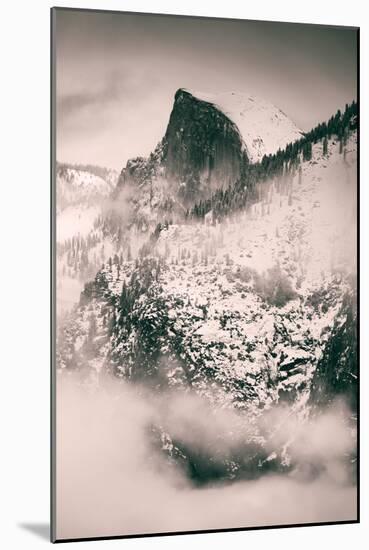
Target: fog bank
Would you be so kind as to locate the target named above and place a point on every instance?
(111, 481)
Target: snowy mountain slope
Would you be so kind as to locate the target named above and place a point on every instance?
(76, 186)
(263, 127)
(80, 197)
(242, 312)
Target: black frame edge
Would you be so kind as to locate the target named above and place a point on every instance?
(210, 531)
(358, 273)
(52, 277)
(204, 17)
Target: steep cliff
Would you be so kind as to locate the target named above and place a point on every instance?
(203, 147)
(208, 143)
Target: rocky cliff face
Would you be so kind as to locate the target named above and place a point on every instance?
(337, 370)
(203, 147)
(208, 143)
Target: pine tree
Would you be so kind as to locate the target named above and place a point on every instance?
(123, 301)
(307, 151)
(325, 146)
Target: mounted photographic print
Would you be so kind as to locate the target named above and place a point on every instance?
(204, 273)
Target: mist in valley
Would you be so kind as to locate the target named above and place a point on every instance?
(112, 480)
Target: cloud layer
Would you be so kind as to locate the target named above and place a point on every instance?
(111, 481)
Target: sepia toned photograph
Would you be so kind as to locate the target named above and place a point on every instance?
(204, 203)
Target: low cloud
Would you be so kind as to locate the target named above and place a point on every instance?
(115, 86)
(112, 481)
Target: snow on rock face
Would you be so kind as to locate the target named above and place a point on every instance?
(263, 127)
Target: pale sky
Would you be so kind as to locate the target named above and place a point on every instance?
(117, 75)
